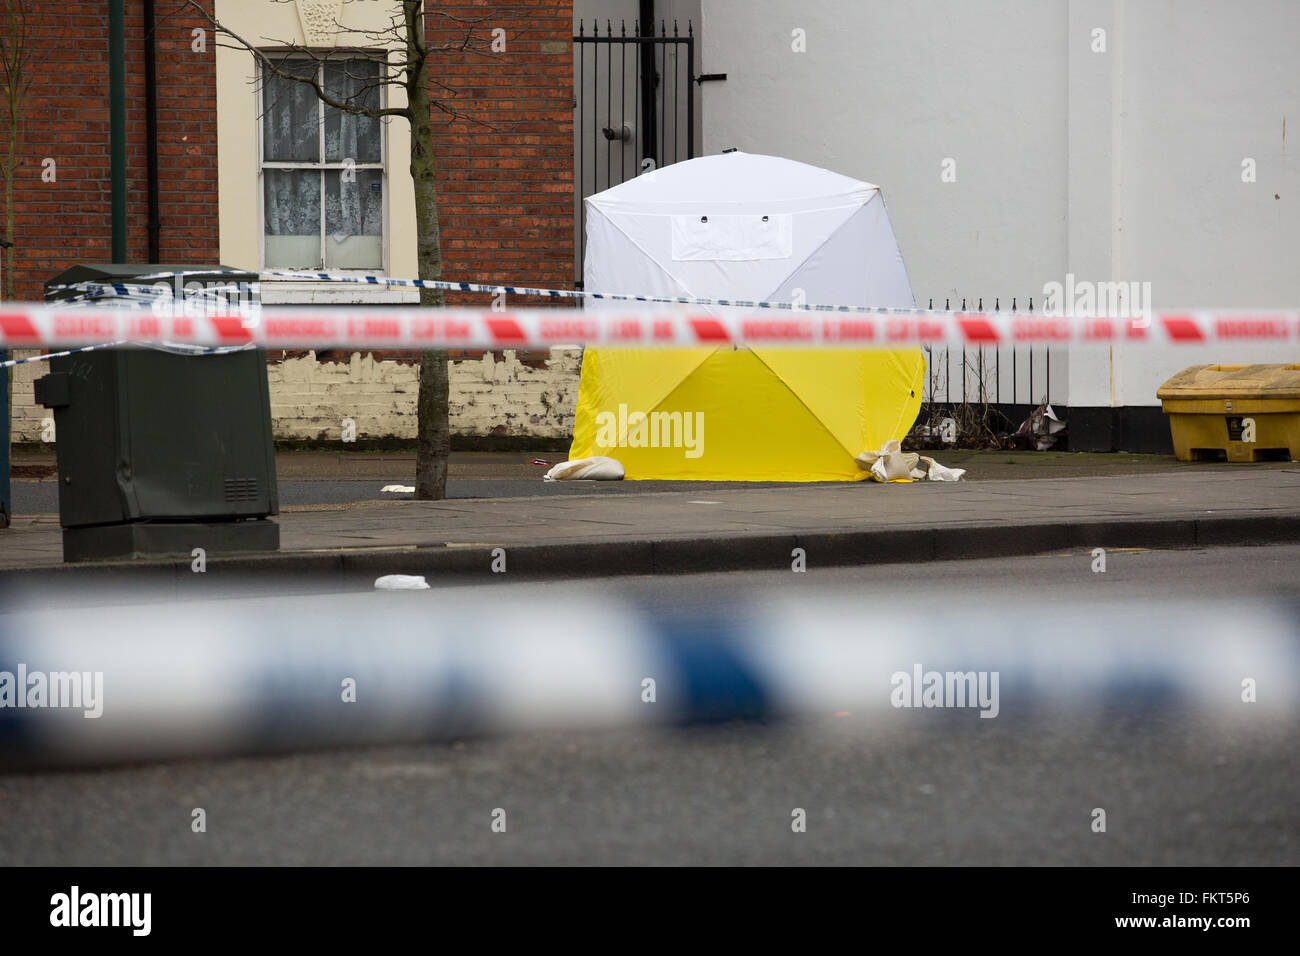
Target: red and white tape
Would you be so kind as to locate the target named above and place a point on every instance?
(371, 327)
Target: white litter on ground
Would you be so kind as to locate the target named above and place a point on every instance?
(592, 469)
(399, 489)
(937, 472)
(401, 582)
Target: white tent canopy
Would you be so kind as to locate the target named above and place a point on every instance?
(744, 226)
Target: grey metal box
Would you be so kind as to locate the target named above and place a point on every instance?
(146, 436)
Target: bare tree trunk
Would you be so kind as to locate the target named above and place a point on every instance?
(434, 443)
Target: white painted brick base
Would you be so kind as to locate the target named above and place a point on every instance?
(494, 395)
(27, 415)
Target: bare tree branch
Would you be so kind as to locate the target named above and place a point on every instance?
(268, 62)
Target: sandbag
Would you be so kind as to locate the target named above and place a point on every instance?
(891, 463)
(591, 469)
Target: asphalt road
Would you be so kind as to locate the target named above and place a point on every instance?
(1177, 790)
(1179, 786)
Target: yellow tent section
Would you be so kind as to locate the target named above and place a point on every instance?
(729, 414)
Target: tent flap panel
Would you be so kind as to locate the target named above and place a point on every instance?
(858, 264)
(722, 274)
(733, 238)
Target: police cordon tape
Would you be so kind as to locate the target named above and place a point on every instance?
(205, 319)
(385, 327)
(113, 293)
(10, 363)
(174, 347)
(187, 677)
(158, 282)
(120, 296)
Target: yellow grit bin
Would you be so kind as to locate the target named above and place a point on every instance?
(1238, 412)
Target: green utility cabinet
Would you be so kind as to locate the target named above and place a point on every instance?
(160, 453)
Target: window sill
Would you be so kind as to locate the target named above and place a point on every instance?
(295, 292)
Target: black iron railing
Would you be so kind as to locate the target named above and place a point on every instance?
(987, 388)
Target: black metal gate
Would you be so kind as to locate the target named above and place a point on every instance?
(634, 109)
(986, 389)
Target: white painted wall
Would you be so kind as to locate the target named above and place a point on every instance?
(496, 394)
(492, 395)
(1123, 165)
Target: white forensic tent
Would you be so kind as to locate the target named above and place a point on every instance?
(748, 227)
(745, 226)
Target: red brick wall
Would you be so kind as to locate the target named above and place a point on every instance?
(67, 119)
(506, 168)
(506, 187)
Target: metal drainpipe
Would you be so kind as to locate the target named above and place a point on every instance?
(649, 146)
(151, 129)
(117, 125)
(6, 509)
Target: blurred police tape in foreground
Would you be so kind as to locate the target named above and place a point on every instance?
(153, 680)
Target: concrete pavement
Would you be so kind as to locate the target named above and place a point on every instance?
(604, 529)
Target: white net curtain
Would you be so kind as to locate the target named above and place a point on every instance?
(323, 179)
